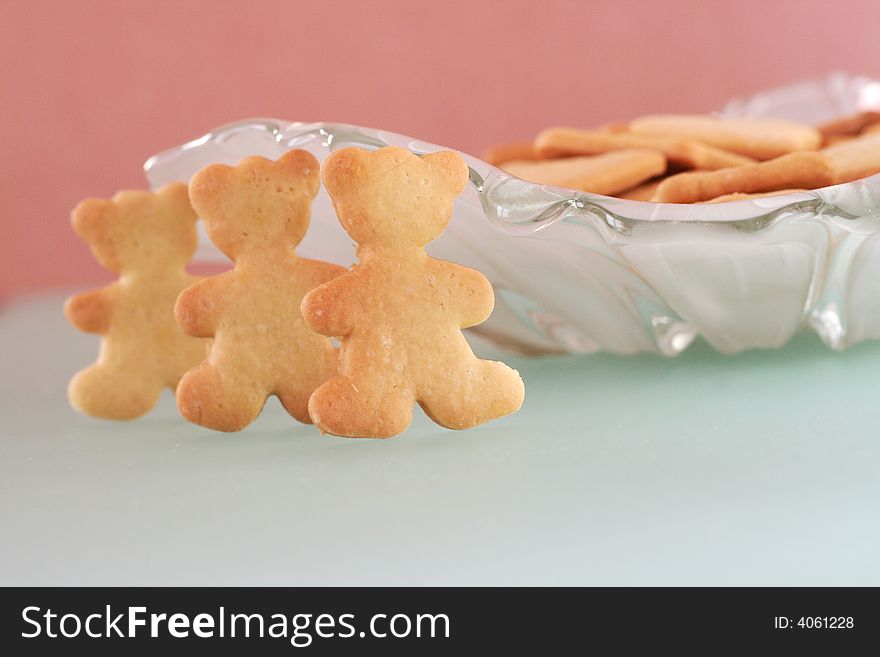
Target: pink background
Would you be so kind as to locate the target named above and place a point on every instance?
(92, 88)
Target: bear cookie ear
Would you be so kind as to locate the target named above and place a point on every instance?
(450, 169)
(302, 167)
(207, 186)
(175, 197)
(340, 168)
(89, 216)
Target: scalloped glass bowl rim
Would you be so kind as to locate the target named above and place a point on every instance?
(648, 212)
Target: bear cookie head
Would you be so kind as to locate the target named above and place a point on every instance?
(138, 231)
(391, 196)
(257, 204)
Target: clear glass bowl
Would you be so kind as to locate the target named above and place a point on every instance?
(576, 272)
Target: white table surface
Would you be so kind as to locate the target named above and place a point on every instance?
(762, 468)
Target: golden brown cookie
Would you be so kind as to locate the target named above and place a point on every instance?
(615, 126)
(808, 169)
(644, 192)
(739, 196)
(856, 158)
(256, 213)
(565, 142)
(398, 312)
(147, 238)
(849, 125)
(607, 174)
(501, 153)
(762, 139)
(831, 140)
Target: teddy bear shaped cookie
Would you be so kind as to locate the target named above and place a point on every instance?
(399, 313)
(147, 238)
(256, 213)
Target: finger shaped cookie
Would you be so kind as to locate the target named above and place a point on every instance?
(565, 142)
(256, 213)
(832, 140)
(762, 139)
(398, 312)
(607, 174)
(856, 158)
(643, 192)
(849, 125)
(147, 238)
(808, 169)
(739, 196)
(501, 153)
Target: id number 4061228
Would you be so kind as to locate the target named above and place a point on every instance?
(813, 623)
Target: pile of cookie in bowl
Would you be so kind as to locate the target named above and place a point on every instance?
(687, 158)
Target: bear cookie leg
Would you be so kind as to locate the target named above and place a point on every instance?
(309, 373)
(482, 391)
(342, 408)
(115, 394)
(295, 400)
(225, 403)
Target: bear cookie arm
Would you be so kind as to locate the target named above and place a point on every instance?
(329, 309)
(90, 311)
(147, 238)
(199, 307)
(399, 313)
(476, 299)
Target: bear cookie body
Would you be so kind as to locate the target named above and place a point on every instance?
(256, 213)
(399, 312)
(148, 239)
